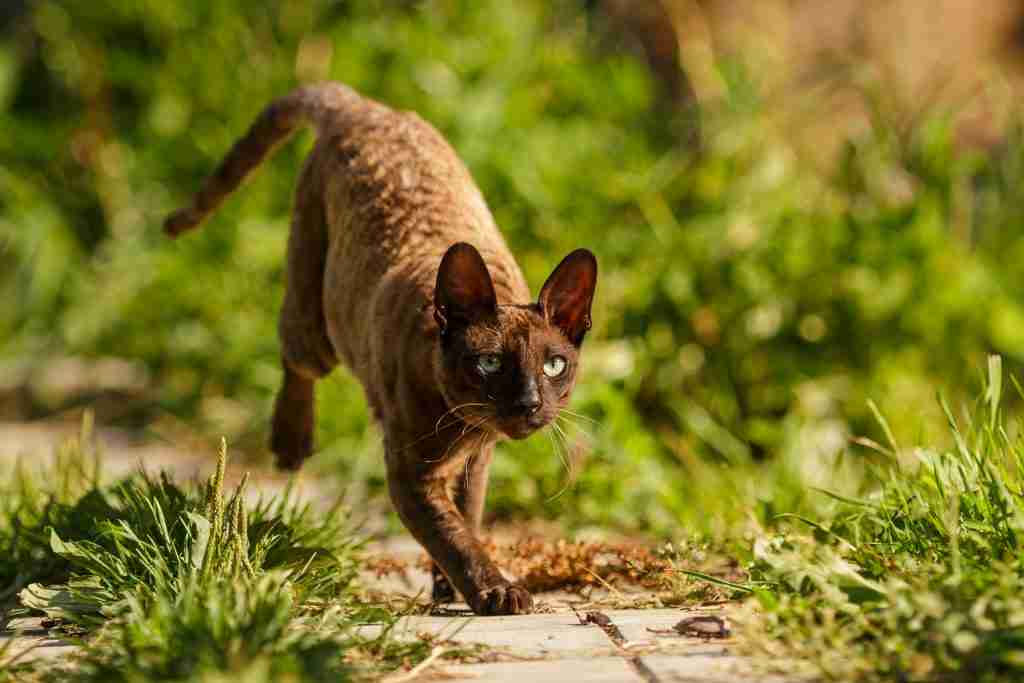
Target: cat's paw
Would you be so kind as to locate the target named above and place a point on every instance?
(290, 444)
(442, 588)
(507, 598)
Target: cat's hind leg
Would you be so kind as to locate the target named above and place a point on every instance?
(306, 351)
(291, 428)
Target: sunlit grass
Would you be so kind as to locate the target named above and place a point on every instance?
(919, 578)
(158, 581)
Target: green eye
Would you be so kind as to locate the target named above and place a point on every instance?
(554, 366)
(488, 363)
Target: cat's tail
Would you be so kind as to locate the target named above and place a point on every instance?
(309, 104)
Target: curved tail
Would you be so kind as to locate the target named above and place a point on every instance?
(274, 125)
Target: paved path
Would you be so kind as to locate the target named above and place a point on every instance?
(562, 643)
(629, 645)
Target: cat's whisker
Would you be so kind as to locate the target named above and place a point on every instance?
(438, 426)
(565, 447)
(466, 468)
(591, 439)
(473, 453)
(569, 460)
(551, 439)
(563, 451)
(469, 429)
(569, 479)
(579, 415)
(454, 410)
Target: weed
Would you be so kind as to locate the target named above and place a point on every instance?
(919, 579)
(161, 582)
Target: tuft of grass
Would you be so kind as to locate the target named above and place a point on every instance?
(150, 533)
(257, 629)
(162, 582)
(919, 578)
(32, 502)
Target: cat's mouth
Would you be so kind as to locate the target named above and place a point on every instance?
(520, 427)
(515, 426)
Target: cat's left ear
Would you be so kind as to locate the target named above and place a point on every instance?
(566, 296)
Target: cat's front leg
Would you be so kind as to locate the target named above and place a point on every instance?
(470, 492)
(423, 504)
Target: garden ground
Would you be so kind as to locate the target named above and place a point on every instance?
(600, 633)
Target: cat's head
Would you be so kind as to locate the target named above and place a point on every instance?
(510, 367)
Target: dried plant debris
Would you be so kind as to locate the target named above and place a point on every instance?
(542, 565)
(386, 565)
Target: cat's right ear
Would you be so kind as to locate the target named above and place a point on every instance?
(464, 291)
(568, 292)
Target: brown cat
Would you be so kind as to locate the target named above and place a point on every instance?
(396, 266)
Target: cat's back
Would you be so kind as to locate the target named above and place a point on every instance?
(392, 182)
(396, 196)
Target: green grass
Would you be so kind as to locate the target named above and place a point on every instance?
(186, 583)
(918, 578)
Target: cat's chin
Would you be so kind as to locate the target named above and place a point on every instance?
(519, 430)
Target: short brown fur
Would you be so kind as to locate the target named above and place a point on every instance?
(381, 275)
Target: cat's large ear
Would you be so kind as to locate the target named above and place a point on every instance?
(464, 291)
(566, 296)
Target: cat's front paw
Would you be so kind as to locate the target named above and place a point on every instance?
(507, 598)
(442, 588)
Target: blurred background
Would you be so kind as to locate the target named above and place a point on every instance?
(807, 213)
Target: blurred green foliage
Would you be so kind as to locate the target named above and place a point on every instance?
(750, 302)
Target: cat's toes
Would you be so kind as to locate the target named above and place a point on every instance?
(505, 599)
(442, 590)
(290, 448)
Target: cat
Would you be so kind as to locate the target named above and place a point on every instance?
(396, 267)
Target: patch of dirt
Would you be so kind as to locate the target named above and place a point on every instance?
(545, 565)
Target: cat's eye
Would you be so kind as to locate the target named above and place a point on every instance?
(488, 363)
(554, 366)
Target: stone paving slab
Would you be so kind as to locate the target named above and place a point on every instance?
(562, 650)
(654, 627)
(635, 624)
(701, 667)
(570, 651)
(598, 670)
(29, 640)
(533, 635)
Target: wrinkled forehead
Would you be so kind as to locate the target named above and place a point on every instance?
(520, 323)
(522, 329)
(516, 328)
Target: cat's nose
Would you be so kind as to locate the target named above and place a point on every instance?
(528, 402)
(528, 408)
